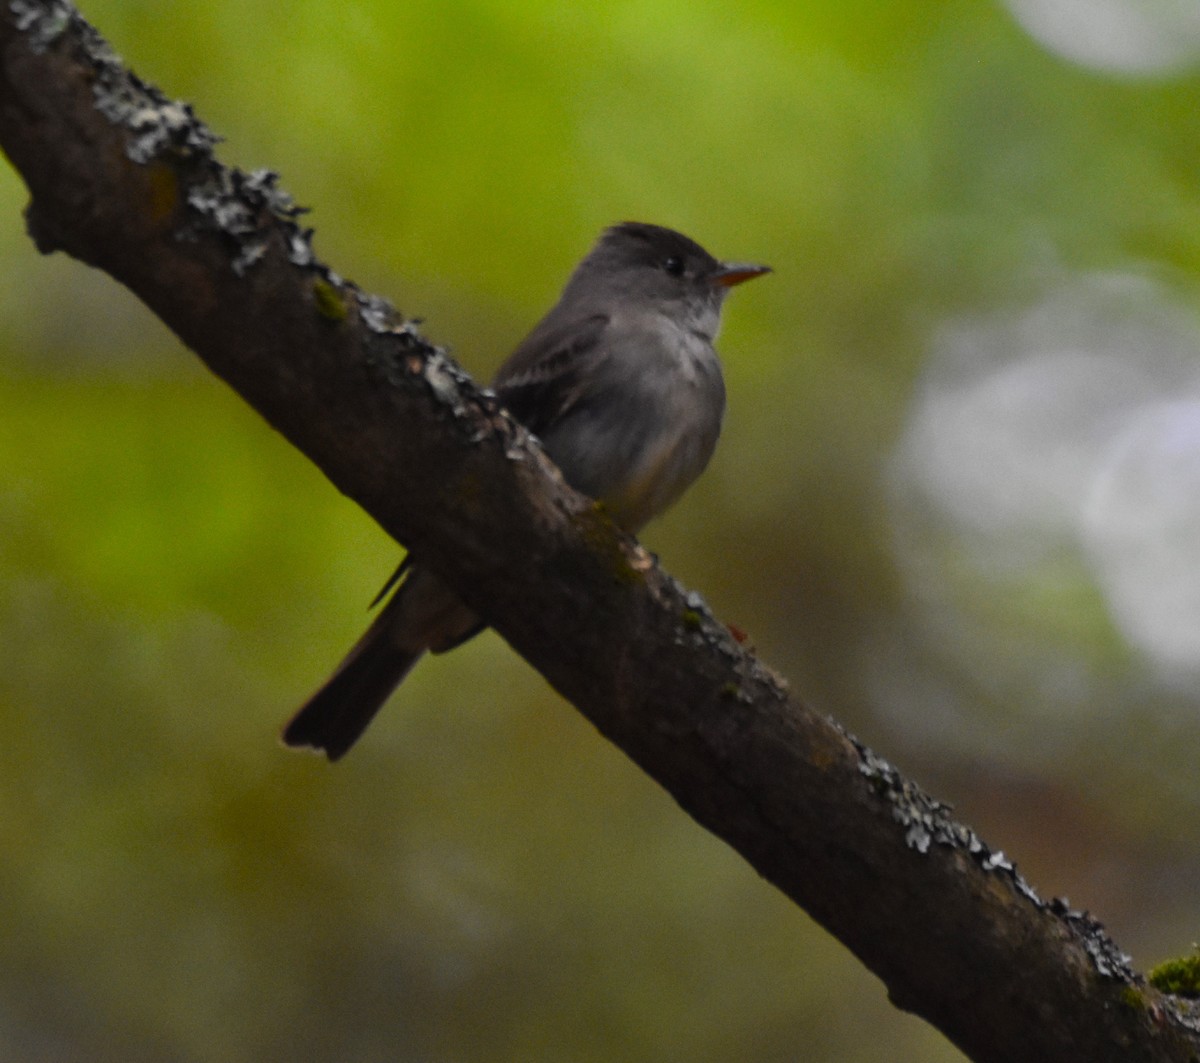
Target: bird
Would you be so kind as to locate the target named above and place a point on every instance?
(622, 385)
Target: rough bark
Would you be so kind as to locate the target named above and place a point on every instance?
(125, 180)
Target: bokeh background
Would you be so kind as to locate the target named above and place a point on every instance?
(957, 502)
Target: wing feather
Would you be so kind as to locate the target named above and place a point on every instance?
(548, 373)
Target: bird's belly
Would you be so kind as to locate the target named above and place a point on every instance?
(637, 460)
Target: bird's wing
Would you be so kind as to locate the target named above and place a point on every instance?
(539, 384)
(548, 373)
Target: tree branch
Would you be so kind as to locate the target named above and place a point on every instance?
(125, 180)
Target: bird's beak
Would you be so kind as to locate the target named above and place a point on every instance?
(732, 273)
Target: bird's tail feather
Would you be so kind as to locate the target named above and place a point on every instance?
(337, 714)
(422, 614)
(335, 717)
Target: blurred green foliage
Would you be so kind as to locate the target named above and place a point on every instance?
(484, 878)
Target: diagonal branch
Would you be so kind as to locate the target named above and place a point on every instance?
(125, 180)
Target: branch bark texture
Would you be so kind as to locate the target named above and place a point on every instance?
(126, 180)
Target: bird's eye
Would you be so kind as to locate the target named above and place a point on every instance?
(673, 265)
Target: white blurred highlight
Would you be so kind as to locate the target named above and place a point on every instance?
(1138, 37)
(1045, 450)
(1141, 527)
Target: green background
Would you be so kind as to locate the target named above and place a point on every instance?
(485, 878)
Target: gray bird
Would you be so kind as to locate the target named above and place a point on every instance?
(622, 385)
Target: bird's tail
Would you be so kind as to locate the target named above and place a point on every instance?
(422, 614)
(336, 715)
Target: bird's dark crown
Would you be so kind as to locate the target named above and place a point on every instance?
(642, 242)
